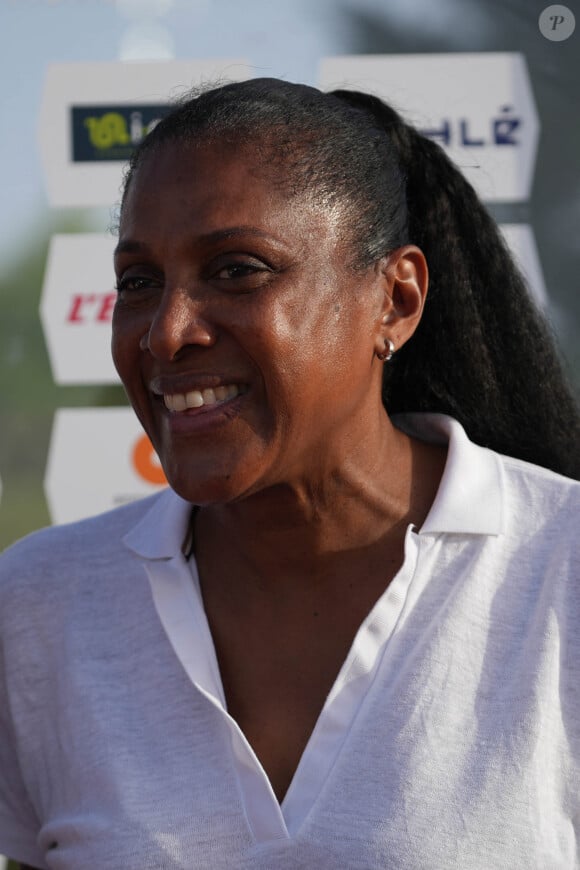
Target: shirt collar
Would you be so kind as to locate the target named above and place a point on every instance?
(161, 533)
(469, 499)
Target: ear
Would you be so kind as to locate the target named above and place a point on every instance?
(404, 278)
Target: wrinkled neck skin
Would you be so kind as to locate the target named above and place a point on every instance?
(355, 508)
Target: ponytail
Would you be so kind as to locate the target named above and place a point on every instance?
(482, 352)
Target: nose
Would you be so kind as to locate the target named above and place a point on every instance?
(180, 321)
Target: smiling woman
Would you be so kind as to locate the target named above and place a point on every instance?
(214, 264)
(351, 620)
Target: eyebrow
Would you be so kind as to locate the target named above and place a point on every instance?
(131, 246)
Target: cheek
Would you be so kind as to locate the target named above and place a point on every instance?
(125, 349)
(118, 351)
(325, 335)
(303, 322)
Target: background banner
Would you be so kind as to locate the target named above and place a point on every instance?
(76, 308)
(93, 115)
(479, 107)
(99, 458)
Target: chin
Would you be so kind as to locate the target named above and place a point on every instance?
(199, 487)
(212, 471)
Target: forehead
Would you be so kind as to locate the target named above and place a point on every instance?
(204, 187)
(192, 169)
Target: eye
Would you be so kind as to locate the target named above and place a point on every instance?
(237, 270)
(239, 273)
(130, 284)
(127, 284)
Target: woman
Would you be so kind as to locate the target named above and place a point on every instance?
(340, 639)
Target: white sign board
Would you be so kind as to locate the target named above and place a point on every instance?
(77, 307)
(479, 107)
(99, 458)
(521, 241)
(93, 114)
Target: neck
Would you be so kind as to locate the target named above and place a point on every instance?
(302, 530)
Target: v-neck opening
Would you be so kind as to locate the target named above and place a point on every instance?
(348, 694)
(179, 604)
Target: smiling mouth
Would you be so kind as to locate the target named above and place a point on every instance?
(176, 402)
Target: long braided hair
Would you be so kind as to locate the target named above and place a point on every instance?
(482, 352)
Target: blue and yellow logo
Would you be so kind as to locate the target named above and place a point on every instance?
(111, 132)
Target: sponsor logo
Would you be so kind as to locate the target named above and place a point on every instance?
(91, 308)
(146, 462)
(98, 458)
(77, 306)
(463, 132)
(478, 106)
(111, 132)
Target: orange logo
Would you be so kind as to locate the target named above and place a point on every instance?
(146, 462)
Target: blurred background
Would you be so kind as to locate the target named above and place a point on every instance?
(285, 38)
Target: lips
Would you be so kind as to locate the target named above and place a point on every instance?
(176, 402)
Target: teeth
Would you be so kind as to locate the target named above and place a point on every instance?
(194, 399)
(197, 398)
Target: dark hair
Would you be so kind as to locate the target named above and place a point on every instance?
(482, 352)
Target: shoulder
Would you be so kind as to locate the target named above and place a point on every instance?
(75, 579)
(534, 564)
(543, 573)
(69, 551)
(540, 500)
(487, 492)
(523, 508)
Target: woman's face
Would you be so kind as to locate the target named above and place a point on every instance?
(245, 342)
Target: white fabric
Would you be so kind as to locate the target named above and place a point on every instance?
(451, 738)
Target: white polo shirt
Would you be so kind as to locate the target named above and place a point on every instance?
(450, 739)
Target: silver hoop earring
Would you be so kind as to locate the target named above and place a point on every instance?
(386, 355)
